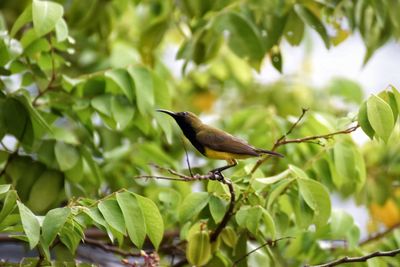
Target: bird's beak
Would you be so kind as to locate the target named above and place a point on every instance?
(172, 114)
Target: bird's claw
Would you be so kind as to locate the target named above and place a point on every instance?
(216, 175)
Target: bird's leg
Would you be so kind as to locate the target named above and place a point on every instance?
(217, 171)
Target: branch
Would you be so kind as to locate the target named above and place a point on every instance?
(215, 176)
(270, 243)
(309, 139)
(294, 125)
(228, 213)
(324, 136)
(112, 249)
(52, 78)
(379, 235)
(187, 157)
(347, 259)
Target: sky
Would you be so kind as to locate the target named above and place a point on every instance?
(344, 60)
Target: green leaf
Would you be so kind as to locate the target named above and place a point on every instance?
(217, 208)
(53, 223)
(122, 110)
(317, 198)
(396, 94)
(4, 58)
(61, 30)
(45, 191)
(133, 216)
(276, 59)
(19, 126)
(95, 214)
(37, 46)
(97, 174)
(297, 172)
(35, 116)
(45, 15)
(9, 204)
(340, 224)
(393, 104)
(243, 39)
(269, 222)
(162, 97)
(249, 217)
(294, 29)
(112, 214)
(192, 205)
(347, 89)
(30, 224)
(253, 217)
(122, 78)
(144, 88)
(364, 122)
(153, 220)
(102, 104)
(75, 174)
(71, 235)
(277, 191)
(66, 155)
(380, 116)
(360, 169)
(4, 188)
(23, 19)
(273, 179)
(313, 21)
(344, 163)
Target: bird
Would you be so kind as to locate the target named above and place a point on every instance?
(214, 143)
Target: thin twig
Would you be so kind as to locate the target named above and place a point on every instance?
(280, 139)
(364, 258)
(187, 157)
(323, 136)
(269, 243)
(379, 235)
(52, 78)
(294, 125)
(216, 176)
(309, 139)
(112, 249)
(5, 147)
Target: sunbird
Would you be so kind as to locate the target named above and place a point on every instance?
(215, 143)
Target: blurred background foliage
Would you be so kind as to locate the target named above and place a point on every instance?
(80, 82)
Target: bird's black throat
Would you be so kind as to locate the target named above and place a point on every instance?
(190, 133)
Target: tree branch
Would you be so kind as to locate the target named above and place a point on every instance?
(112, 249)
(309, 139)
(323, 136)
(52, 78)
(270, 243)
(228, 213)
(364, 258)
(379, 235)
(215, 176)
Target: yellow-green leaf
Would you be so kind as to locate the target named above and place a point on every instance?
(380, 116)
(45, 15)
(30, 224)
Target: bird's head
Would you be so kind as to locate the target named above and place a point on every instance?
(184, 118)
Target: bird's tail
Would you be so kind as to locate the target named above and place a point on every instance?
(272, 153)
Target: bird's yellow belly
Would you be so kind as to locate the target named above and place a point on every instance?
(213, 154)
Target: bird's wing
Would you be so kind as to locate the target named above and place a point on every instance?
(221, 141)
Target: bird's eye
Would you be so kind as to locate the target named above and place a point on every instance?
(185, 113)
